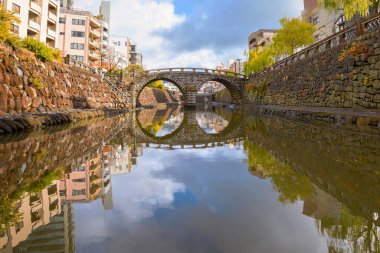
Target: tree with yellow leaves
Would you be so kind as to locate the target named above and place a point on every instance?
(7, 18)
(352, 7)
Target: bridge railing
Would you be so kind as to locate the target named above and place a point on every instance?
(196, 70)
(367, 25)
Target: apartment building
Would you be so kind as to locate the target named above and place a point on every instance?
(39, 19)
(326, 22)
(80, 35)
(135, 57)
(260, 38)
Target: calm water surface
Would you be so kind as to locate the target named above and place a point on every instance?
(191, 181)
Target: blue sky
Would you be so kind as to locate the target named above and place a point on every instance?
(192, 33)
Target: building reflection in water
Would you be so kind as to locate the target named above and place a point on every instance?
(44, 220)
(41, 215)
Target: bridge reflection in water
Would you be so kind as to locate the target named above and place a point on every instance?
(179, 128)
(57, 183)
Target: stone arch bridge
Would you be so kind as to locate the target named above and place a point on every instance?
(190, 80)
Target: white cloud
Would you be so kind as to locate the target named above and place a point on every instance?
(142, 20)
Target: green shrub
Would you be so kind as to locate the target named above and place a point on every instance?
(42, 51)
(40, 155)
(57, 55)
(37, 83)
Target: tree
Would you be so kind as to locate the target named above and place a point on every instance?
(7, 19)
(258, 60)
(294, 34)
(134, 70)
(352, 7)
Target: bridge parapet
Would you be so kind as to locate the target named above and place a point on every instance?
(196, 70)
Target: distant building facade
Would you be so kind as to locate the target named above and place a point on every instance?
(122, 45)
(39, 19)
(80, 36)
(326, 22)
(67, 4)
(237, 66)
(260, 38)
(135, 58)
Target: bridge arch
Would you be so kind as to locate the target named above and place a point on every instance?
(140, 86)
(189, 81)
(230, 85)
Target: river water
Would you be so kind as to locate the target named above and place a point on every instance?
(201, 180)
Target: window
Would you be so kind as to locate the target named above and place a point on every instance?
(16, 8)
(78, 46)
(77, 58)
(14, 28)
(77, 34)
(62, 20)
(79, 180)
(78, 22)
(118, 43)
(80, 168)
(126, 44)
(315, 20)
(79, 192)
(61, 33)
(115, 43)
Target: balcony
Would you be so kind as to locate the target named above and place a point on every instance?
(34, 25)
(35, 7)
(95, 33)
(51, 33)
(93, 56)
(54, 3)
(52, 17)
(95, 23)
(94, 44)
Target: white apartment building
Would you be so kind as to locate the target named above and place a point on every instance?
(39, 19)
(121, 44)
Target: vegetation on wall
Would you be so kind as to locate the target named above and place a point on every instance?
(159, 85)
(352, 7)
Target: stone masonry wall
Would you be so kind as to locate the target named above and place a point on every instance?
(29, 85)
(151, 96)
(346, 76)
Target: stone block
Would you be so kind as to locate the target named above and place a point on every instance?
(31, 92)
